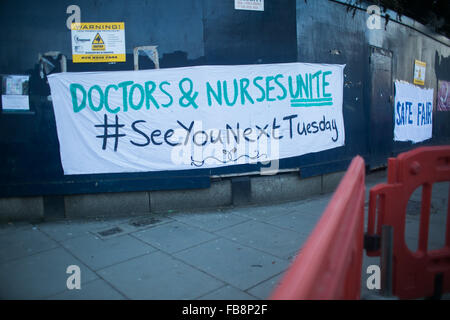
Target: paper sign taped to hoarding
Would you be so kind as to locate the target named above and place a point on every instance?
(255, 5)
(15, 90)
(443, 97)
(15, 102)
(420, 68)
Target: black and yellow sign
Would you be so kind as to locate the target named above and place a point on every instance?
(98, 42)
(419, 72)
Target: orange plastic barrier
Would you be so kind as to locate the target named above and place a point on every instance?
(414, 273)
(329, 264)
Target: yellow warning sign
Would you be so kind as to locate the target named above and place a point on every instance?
(419, 72)
(98, 39)
(104, 26)
(98, 44)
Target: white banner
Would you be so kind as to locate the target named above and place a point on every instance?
(196, 117)
(413, 113)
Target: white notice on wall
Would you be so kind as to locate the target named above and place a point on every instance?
(256, 5)
(15, 102)
(16, 84)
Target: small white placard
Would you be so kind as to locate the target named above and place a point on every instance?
(255, 5)
(15, 84)
(15, 102)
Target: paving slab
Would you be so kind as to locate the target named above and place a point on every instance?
(40, 275)
(211, 221)
(98, 253)
(121, 226)
(264, 289)
(314, 207)
(94, 290)
(159, 276)
(67, 229)
(15, 226)
(173, 236)
(227, 293)
(147, 221)
(24, 242)
(264, 213)
(233, 263)
(279, 242)
(297, 222)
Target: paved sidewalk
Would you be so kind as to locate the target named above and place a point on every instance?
(236, 253)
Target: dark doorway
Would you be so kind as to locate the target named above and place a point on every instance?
(381, 107)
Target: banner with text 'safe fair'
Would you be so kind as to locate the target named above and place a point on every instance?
(413, 113)
(196, 117)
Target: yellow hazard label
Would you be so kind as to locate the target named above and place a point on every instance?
(98, 47)
(98, 26)
(107, 57)
(98, 39)
(419, 72)
(98, 44)
(420, 63)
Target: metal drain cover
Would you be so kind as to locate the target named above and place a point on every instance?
(110, 231)
(142, 222)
